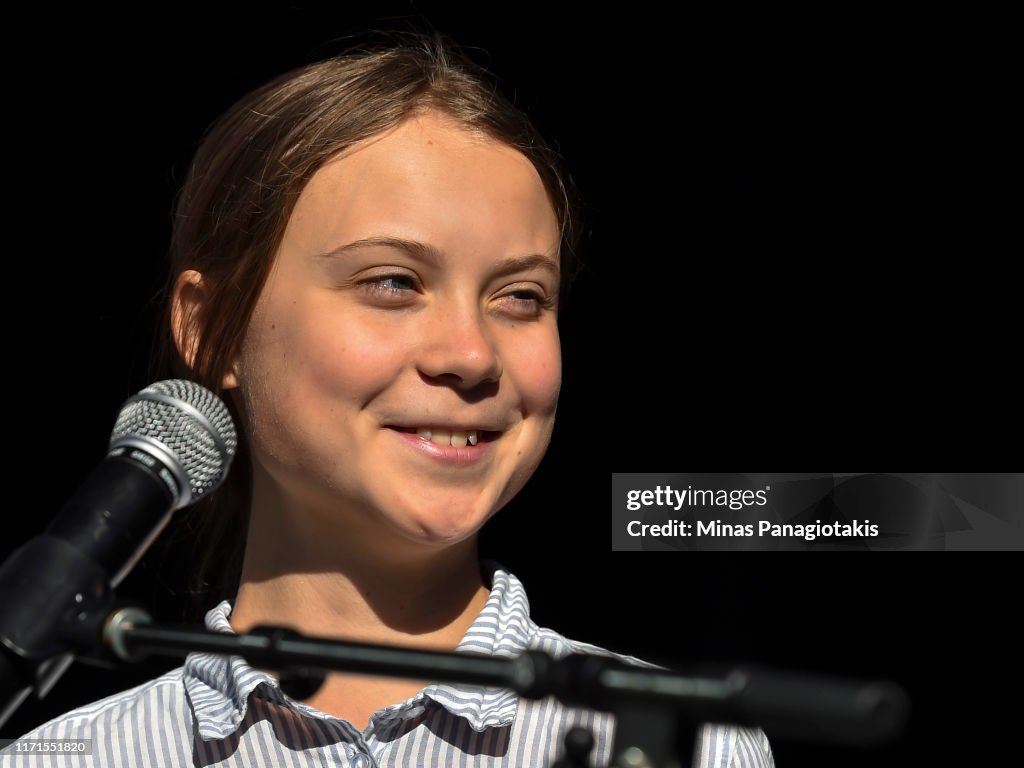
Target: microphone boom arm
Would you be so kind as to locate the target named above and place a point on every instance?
(646, 701)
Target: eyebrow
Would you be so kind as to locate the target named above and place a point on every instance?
(433, 256)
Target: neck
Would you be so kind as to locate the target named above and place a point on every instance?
(338, 584)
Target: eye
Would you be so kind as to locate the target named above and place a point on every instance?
(394, 285)
(525, 302)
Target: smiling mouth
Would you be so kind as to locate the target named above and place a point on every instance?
(453, 437)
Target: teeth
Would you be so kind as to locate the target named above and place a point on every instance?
(447, 437)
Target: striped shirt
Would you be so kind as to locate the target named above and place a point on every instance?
(218, 712)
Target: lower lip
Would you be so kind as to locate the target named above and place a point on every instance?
(447, 454)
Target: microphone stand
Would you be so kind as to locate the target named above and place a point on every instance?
(657, 711)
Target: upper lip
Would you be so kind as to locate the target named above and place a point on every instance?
(477, 427)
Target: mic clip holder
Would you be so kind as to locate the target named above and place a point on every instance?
(44, 584)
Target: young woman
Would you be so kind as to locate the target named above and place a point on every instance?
(367, 260)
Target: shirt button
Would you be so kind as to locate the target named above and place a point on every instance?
(362, 761)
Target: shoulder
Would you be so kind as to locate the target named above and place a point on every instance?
(732, 746)
(718, 745)
(540, 725)
(151, 720)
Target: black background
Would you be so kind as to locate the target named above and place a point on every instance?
(799, 257)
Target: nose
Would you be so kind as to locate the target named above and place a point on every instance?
(458, 348)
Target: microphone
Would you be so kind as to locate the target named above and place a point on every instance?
(172, 444)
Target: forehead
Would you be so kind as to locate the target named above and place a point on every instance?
(432, 180)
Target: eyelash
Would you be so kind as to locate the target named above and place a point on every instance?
(377, 285)
(382, 285)
(536, 299)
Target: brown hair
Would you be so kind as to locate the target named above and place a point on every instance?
(239, 193)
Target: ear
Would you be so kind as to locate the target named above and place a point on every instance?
(190, 296)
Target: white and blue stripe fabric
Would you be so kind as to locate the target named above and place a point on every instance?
(218, 712)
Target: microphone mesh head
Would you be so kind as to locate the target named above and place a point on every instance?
(189, 422)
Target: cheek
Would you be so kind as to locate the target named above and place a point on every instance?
(317, 366)
(537, 370)
(350, 366)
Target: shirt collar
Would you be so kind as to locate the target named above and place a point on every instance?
(218, 687)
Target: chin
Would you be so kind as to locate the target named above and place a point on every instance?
(436, 537)
(444, 525)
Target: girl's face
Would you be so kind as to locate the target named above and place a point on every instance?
(402, 365)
